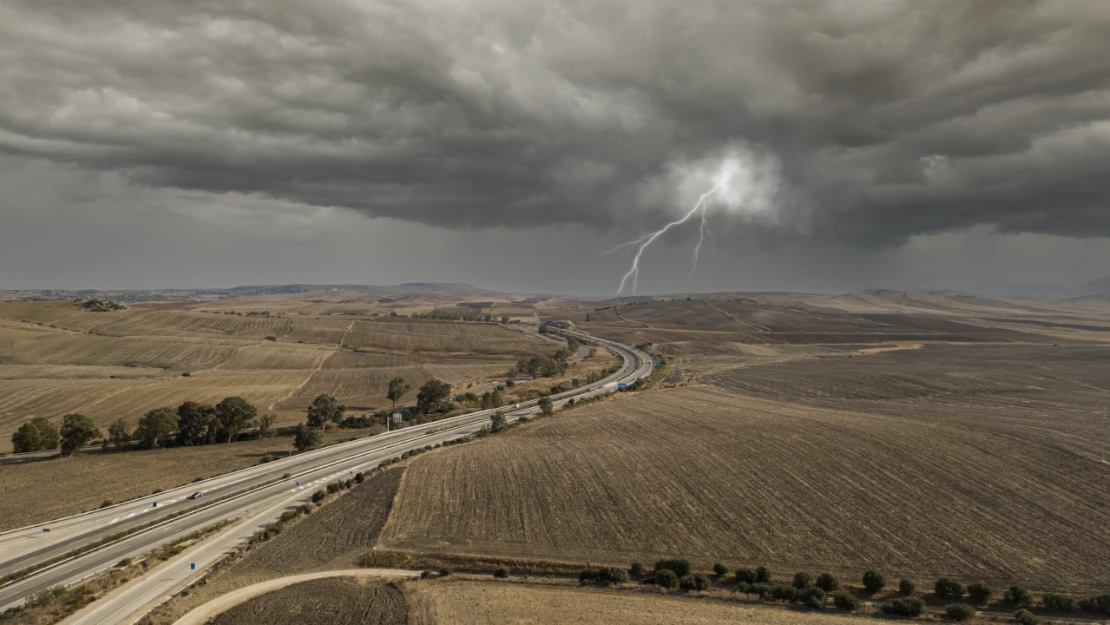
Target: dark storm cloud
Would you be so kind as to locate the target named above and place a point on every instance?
(888, 118)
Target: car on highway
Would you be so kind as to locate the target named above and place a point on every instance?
(195, 495)
(516, 406)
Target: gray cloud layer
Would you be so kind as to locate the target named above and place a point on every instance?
(889, 119)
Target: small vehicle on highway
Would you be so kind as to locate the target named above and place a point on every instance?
(516, 405)
(46, 529)
(195, 495)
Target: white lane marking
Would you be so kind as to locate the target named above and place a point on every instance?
(131, 515)
(113, 520)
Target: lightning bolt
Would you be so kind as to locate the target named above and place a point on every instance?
(648, 239)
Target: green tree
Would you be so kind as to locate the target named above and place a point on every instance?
(432, 395)
(306, 437)
(719, 569)
(696, 581)
(193, 421)
(486, 402)
(48, 433)
(77, 430)
(845, 601)
(666, 578)
(959, 612)
(745, 576)
(802, 579)
(498, 422)
(156, 427)
(1025, 617)
(873, 581)
(636, 569)
(397, 389)
(1019, 596)
(979, 592)
(233, 414)
(906, 587)
(497, 398)
(547, 406)
(762, 575)
(266, 426)
(946, 588)
(26, 438)
(325, 409)
(119, 434)
(680, 568)
(827, 582)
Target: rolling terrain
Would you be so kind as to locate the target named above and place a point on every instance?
(59, 357)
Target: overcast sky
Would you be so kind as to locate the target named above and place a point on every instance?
(511, 143)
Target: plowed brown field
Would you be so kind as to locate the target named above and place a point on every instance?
(336, 601)
(713, 475)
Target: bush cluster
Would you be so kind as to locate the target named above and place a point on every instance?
(760, 575)
(904, 606)
(680, 568)
(873, 581)
(604, 576)
(845, 601)
(802, 579)
(827, 582)
(979, 592)
(1059, 603)
(946, 588)
(1018, 596)
(906, 587)
(666, 578)
(1025, 617)
(695, 581)
(959, 612)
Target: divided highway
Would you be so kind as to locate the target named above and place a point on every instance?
(258, 494)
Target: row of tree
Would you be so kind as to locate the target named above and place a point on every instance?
(39, 434)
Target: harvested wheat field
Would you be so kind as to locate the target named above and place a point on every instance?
(466, 602)
(709, 475)
(58, 357)
(85, 481)
(335, 601)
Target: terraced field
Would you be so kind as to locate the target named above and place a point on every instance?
(711, 475)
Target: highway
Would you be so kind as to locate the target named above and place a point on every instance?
(256, 495)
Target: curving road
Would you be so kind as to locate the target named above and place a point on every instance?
(258, 494)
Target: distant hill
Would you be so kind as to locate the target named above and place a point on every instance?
(167, 295)
(1102, 285)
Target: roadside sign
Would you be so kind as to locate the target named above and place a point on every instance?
(154, 505)
(192, 566)
(574, 382)
(396, 417)
(621, 384)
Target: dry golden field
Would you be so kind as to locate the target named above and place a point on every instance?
(56, 357)
(710, 474)
(83, 483)
(500, 603)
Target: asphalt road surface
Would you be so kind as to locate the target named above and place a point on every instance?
(263, 493)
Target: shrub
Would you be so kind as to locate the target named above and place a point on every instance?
(784, 592)
(906, 587)
(288, 515)
(746, 576)
(979, 591)
(828, 582)
(743, 587)
(904, 606)
(1059, 603)
(666, 578)
(603, 576)
(813, 596)
(1095, 604)
(1018, 596)
(318, 496)
(845, 601)
(587, 576)
(697, 581)
(959, 612)
(873, 581)
(760, 590)
(763, 575)
(720, 570)
(948, 588)
(106, 503)
(1025, 617)
(426, 573)
(681, 568)
(445, 571)
(636, 570)
(501, 572)
(801, 579)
